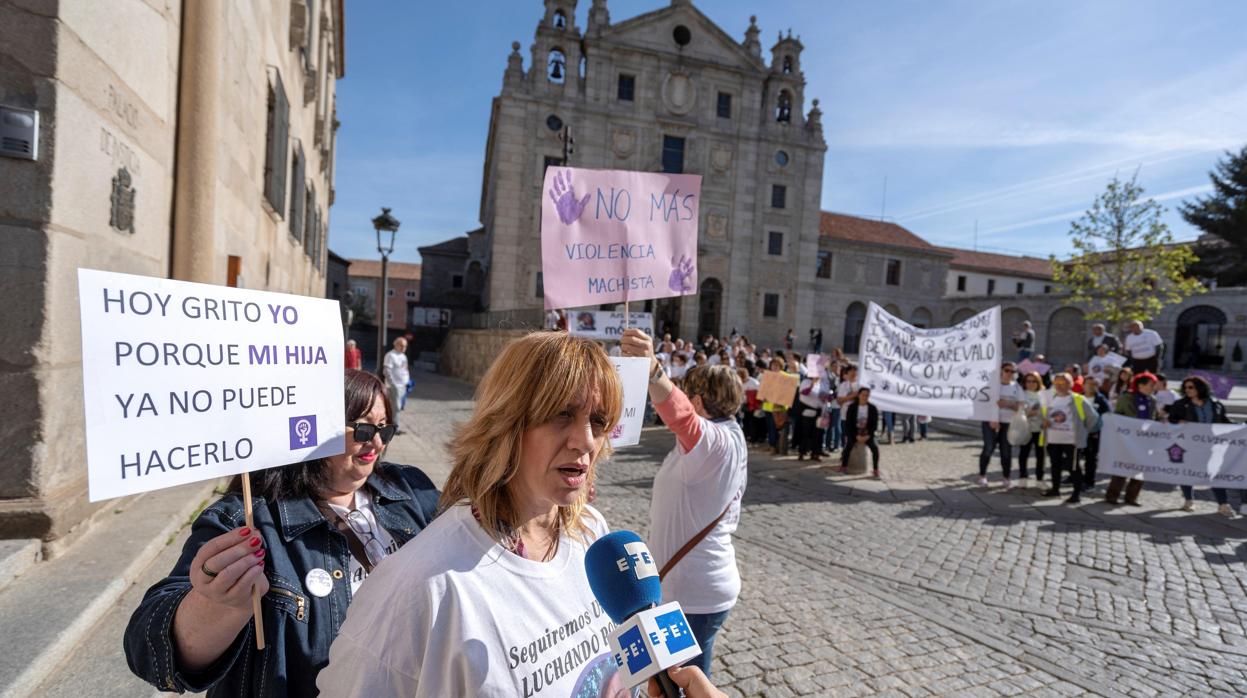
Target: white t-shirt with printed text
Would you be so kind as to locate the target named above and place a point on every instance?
(690, 490)
(453, 613)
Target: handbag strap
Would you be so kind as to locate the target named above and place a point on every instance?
(692, 543)
(352, 539)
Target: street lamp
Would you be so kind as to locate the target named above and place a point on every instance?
(384, 223)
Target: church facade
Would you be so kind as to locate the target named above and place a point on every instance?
(666, 91)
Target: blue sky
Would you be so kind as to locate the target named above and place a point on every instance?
(1011, 113)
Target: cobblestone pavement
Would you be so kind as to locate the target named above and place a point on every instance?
(924, 584)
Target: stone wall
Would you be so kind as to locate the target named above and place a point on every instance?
(468, 354)
(110, 82)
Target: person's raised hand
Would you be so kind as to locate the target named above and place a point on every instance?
(635, 342)
(228, 566)
(691, 680)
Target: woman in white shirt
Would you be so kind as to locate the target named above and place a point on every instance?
(492, 598)
(697, 492)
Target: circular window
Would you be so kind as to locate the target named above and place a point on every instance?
(554, 123)
(781, 158)
(682, 35)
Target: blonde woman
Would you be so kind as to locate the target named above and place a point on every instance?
(492, 599)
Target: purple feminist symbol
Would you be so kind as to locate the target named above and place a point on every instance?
(681, 280)
(617, 431)
(563, 194)
(302, 432)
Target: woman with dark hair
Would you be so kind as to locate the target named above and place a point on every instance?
(861, 422)
(1139, 403)
(320, 529)
(1197, 404)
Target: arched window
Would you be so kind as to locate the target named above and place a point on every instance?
(556, 67)
(710, 302)
(787, 69)
(1199, 342)
(560, 20)
(962, 315)
(920, 318)
(854, 318)
(783, 107)
(1067, 336)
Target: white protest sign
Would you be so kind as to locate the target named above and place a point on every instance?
(1115, 360)
(1202, 455)
(607, 324)
(185, 382)
(814, 365)
(634, 374)
(949, 372)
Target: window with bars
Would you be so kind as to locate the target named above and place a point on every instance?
(298, 200)
(779, 196)
(672, 154)
(894, 272)
(724, 107)
(770, 305)
(824, 265)
(627, 87)
(775, 243)
(276, 148)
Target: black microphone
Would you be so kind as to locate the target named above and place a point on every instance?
(649, 637)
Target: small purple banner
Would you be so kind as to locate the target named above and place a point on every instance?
(302, 432)
(1221, 384)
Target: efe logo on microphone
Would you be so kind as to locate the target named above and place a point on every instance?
(638, 560)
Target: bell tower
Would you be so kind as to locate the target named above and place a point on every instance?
(785, 86)
(557, 50)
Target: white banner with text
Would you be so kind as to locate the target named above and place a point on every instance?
(951, 372)
(1203, 455)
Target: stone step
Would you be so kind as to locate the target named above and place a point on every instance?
(54, 605)
(97, 666)
(17, 556)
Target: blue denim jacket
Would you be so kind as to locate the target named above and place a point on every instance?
(298, 627)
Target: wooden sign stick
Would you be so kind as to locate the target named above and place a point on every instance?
(627, 317)
(255, 591)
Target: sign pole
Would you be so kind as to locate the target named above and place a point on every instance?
(255, 591)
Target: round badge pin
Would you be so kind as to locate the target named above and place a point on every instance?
(318, 582)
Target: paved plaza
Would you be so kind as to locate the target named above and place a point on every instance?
(924, 584)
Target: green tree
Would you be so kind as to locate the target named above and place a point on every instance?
(361, 305)
(1126, 265)
(1223, 214)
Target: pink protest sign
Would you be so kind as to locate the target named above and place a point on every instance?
(609, 236)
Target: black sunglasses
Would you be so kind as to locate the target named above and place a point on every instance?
(364, 432)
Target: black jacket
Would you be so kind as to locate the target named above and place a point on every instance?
(1110, 340)
(1184, 411)
(872, 420)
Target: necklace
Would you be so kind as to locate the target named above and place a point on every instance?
(513, 542)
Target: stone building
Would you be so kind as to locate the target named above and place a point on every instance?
(403, 289)
(670, 91)
(454, 273)
(665, 91)
(186, 140)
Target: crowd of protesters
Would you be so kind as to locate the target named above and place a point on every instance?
(830, 412)
(1061, 413)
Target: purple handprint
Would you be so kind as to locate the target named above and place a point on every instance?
(681, 279)
(564, 197)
